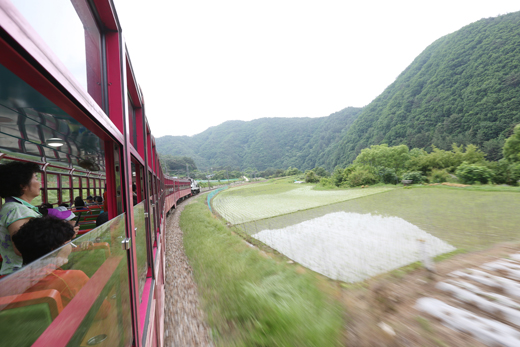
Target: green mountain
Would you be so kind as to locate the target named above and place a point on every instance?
(464, 88)
(264, 143)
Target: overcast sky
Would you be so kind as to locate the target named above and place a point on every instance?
(201, 63)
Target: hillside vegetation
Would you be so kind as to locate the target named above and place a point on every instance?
(464, 89)
(264, 143)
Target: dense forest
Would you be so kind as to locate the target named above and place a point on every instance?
(463, 89)
(264, 143)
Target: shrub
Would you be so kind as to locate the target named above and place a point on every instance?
(471, 173)
(415, 176)
(361, 176)
(326, 182)
(310, 177)
(439, 176)
(388, 176)
(513, 174)
(500, 171)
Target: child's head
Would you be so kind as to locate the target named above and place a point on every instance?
(40, 236)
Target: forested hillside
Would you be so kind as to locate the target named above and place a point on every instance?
(264, 143)
(464, 88)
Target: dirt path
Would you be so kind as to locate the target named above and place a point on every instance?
(391, 299)
(184, 323)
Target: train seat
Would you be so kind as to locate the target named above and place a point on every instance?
(25, 317)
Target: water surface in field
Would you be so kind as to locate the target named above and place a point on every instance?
(465, 219)
(351, 247)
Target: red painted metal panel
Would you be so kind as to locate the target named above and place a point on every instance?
(107, 14)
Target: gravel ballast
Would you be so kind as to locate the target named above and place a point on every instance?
(184, 323)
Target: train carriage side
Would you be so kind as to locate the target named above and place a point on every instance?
(70, 102)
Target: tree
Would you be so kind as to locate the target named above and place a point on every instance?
(511, 148)
(384, 156)
(310, 177)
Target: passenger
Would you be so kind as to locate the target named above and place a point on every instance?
(98, 200)
(79, 204)
(59, 213)
(102, 218)
(90, 200)
(19, 185)
(41, 236)
(63, 205)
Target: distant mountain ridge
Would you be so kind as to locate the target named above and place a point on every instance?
(464, 88)
(265, 142)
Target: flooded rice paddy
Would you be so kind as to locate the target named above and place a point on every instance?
(351, 246)
(374, 233)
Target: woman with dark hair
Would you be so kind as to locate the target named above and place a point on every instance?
(79, 204)
(19, 185)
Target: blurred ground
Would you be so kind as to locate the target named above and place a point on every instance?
(184, 324)
(390, 299)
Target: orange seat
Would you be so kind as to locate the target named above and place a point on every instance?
(47, 296)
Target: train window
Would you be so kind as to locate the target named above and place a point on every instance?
(46, 292)
(118, 180)
(90, 186)
(52, 188)
(75, 182)
(65, 181)
(70, 30)
(84, 185)
(65, 196)
(38, 200)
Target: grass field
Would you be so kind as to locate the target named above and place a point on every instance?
(250, 203)
(255, 300)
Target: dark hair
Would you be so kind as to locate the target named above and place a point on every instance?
(98, 199)
(78, 201)
(64, 205)
(102, 218)
(14, 176)
(40, 236)
(89, 197)
(134, 187)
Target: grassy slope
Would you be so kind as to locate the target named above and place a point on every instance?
(251, 300)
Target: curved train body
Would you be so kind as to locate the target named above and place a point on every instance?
(70, 102)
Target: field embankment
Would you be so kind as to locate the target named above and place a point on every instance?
(252, 299)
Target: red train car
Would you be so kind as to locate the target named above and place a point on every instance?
(70, 102)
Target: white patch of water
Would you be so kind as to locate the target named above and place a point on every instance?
(350, 246)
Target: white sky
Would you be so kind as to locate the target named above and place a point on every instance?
(201, 63)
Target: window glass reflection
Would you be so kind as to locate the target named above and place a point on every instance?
(69, 29)
(95, 271)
